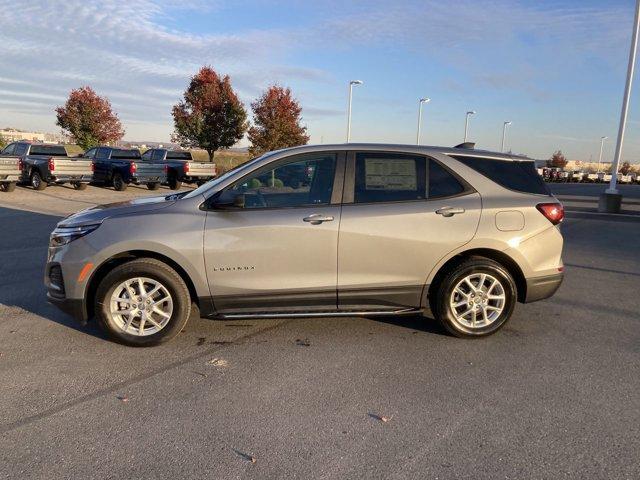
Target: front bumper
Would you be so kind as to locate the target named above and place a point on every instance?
(540, 288)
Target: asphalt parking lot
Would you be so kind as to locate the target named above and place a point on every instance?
(555, 394)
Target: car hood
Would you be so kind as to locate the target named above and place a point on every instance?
(99, 213)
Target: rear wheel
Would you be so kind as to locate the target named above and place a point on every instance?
(79, 185)
(142, 303)
(475, 298)
(118, 183)
(153, 186)
(8, 187)
(36, 181)
(174, 184)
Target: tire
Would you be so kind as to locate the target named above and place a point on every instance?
(153, 186)
(79, 185)
(37, 182)
(118, 183)
(452, 284)
(174, 184)
(7, 187)
(155, 332)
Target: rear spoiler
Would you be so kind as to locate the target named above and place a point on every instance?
(466, 145)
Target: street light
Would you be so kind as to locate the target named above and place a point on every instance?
(602, 139)
(611, 199)
(422, 101)
(351, 84)
(504, 134)
(466, 123)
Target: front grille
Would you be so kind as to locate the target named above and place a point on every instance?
(56, 281)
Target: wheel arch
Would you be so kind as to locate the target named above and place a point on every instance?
(496, 255)
(105, 267)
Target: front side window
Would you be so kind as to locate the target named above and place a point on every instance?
(9, 149)
(103, 153)
(90, 153)
(298, 181)
(147, 155)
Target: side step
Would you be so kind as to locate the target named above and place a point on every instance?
(359, 313)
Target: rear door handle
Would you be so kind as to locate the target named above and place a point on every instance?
(449, 211)
(317, 219)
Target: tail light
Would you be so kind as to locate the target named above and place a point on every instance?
(554, 212)
(52, 164)
(187, 167)
(93, 167)
(21, 165)
(165, 168)
(133, 168)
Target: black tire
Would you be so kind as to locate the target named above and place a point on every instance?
(79, 185)
(154, 270)
(174, 183)
(153, 186)
(118, 183)
(8, 187)
(443, 292)
(36, 181)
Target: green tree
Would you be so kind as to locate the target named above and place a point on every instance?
(210, 116)
(89, 119)
(276, 117)
(3, 142)
(625, 168)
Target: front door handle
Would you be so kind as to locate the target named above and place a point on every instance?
(317, 219)
(449, 211)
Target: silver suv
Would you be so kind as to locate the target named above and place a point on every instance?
(356, 229)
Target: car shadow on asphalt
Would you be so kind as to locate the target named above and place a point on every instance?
(23, 253)
(417, 323)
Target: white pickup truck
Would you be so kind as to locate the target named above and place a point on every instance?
(10, 173)
(181, 167)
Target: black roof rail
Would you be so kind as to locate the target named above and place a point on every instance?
(466, 145)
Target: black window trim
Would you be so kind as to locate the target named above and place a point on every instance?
(350, 179)
(336, 193)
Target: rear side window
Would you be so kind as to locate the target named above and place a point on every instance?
(178, 155)
(512, 174)
(52, 150)
(122, 153)
(389, 177)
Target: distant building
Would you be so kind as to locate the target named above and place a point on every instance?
(14, 135)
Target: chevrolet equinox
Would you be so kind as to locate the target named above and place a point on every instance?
(317, 231)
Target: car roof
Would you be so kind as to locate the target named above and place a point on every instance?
(400, 148)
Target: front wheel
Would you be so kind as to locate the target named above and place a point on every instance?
(153, 186)
(79, 185)
(36, 181)
(142, 303)
(118, 183)
(475, 298)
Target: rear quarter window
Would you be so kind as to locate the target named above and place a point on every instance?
(121, 153)
(178, 155)
(517, 175)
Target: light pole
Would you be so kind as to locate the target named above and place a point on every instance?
(504, 134)
(611, 199)
(602, 139)
(420, 103)
(351, 84)
(466, 123)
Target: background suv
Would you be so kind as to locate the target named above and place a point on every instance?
(356, 229)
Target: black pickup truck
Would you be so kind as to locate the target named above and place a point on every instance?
(121, 167)
(44, 164)
(181, 167)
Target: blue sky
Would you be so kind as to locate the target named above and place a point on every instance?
(556, 69)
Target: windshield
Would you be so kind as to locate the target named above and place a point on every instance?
(212, 183)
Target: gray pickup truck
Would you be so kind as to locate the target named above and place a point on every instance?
(10, 173)
(44, 164)
(181, 167)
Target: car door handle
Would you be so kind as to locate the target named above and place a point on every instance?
(449, 211)
(317, 219)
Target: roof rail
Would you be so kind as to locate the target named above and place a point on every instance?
(466, 145)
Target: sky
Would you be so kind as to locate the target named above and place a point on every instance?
(556, 69)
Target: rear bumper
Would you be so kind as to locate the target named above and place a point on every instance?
(540, 288)
(71, 178)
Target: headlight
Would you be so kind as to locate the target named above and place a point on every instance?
(64, 235)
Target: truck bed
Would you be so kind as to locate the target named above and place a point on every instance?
(10, 169)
